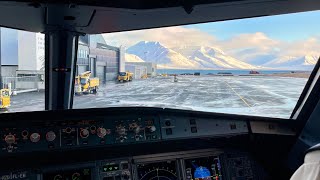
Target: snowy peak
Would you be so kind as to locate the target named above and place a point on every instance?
(186, 56)
(306, 62)
(150, 51)
(132, 58)
(211, 50)
(310, 59)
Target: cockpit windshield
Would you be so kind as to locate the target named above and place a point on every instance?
(255, 66)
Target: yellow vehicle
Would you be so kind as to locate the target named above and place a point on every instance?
(144, 76)
(4, 98)
(86, 85)
(125, 76)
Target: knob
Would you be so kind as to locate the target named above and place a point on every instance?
(137, 137)
(68, 130)
(24, 133)
(101, 132)
(93, 129)
(121, 130)
(121, 138)
(10, 139)
(50, 136)
(152, 129)
(35, 137)
(84, 133)
(137, 129)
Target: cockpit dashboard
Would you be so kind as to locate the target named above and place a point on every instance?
(140, 144)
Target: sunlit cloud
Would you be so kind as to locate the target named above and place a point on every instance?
(170, 37)
(250, 44)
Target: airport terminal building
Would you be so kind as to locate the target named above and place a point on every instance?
(22, 58)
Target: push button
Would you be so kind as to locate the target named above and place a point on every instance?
(168, 131)
(194, 130)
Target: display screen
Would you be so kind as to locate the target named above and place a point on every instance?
(206, 168)
(161, 171)
(78, 174)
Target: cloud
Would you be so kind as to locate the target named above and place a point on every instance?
(170, 37)
(309, 46)
(247, 41)
(245, 47)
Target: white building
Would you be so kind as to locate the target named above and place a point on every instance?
(30, 51)
(9, 52)
(138, 71)
(151, 67)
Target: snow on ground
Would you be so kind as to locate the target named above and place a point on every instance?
(260, 95)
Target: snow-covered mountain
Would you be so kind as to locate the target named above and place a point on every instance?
(132, 58)
(159, 54)
(205, 57)
(276, 59)
(186, 57)
(212, 57)
(306, 62)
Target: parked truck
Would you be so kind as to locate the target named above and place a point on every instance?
(86, 85)
(125, 76)
(4, 98)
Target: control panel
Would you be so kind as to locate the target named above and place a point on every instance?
(114, 130)
(119, 169)
(79, 133)
(206, 164)
(174, 127)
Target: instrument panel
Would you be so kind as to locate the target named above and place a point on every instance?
(115, 130)
(138, 145)
(205, 164)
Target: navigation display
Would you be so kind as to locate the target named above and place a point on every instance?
(206, 168)
(161, 170)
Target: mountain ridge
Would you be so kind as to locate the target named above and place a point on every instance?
(210, 57)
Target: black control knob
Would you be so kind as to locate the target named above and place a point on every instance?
(121, 130)
(101, 132)
(122, 138)
(10, 139)
(151, 129)
(68, 130)
(25, 134)
(84, 133)
(35, 137)
(137, 136)
(137, 129)
(51, 136)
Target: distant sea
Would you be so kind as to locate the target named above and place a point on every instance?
(204, 72)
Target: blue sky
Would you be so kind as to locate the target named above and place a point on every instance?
(289, 27)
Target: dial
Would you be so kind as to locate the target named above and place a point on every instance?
(101, 132)
(158, 171)
(35, 137)
(50, 136)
